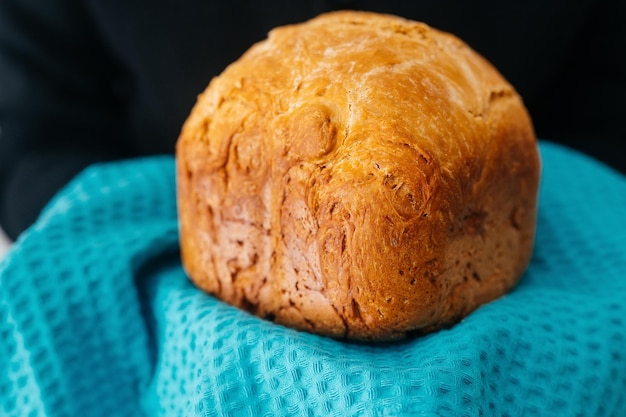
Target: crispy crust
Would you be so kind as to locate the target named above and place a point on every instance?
(360, 176)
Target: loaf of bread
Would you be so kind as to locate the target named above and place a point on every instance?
(359, 176)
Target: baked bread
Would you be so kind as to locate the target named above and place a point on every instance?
(358, 176)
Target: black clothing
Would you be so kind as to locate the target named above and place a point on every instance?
(95, 80)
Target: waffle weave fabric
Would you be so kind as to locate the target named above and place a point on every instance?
(97, 318)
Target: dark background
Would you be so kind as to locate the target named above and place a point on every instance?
(96, 80)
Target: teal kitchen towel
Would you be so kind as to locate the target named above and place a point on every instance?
(97, 318)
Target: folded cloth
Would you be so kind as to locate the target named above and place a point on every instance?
(97, 318)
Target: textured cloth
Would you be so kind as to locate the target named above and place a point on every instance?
(97, 318)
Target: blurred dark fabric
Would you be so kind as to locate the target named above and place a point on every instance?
(95, 80)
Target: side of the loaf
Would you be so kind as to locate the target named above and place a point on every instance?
(358, 176)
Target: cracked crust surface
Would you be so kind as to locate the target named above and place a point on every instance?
(360, 176)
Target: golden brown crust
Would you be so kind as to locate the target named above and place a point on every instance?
(359, 176)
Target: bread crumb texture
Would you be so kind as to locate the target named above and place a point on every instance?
(358, 176)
